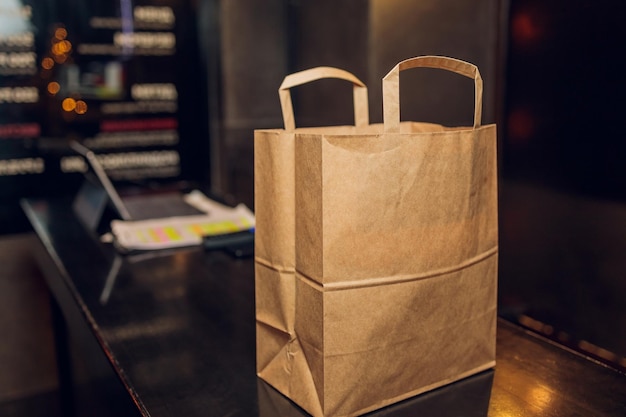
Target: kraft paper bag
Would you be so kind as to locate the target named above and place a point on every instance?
(395, 261)
(275, 170)
(275, 215)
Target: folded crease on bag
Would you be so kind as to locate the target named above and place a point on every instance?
(396, 279)
(383, 346)
(299, 374)
(304, 381)
(274, 266)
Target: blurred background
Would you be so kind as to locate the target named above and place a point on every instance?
(169, 92)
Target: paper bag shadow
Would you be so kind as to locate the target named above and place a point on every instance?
(468, 397)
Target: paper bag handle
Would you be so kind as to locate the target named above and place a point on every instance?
(391, 86)
(361, 111)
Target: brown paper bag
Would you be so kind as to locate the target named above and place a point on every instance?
(274, 169)
(396, 260)
(275, 216)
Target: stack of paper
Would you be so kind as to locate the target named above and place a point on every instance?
(181, 231)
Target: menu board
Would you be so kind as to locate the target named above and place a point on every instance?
(20, 111)
(122, 77)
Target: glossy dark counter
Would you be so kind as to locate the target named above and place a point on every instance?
(177, 329)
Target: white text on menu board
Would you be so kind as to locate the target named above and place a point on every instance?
(152, 42)
(17, 59)
(17, 40)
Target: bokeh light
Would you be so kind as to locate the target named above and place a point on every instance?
(69, 104)
(81, 107)
(60, 33)
(54, 87)
(47, 63)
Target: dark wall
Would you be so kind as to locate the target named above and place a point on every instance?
(27, 354)
(565, 92)
(467, 30)
(253, 62)
(327, 33)
(261, 45)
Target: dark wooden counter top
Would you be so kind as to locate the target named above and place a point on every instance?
(178, 329)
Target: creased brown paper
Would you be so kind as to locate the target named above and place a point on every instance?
(385, 284)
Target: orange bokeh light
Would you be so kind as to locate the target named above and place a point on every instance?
(60, 33)
(69, 104)
(47, 63)
(54, 87)
(65, 46)
(81, 107)
(58, 49)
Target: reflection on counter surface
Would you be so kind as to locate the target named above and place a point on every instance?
(562, 268)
